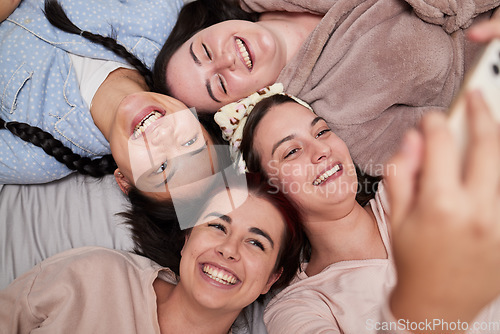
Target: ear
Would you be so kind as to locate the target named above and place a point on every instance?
(272, 279)
(122, 181)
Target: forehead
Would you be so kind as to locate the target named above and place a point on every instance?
(187, 81)
(285, 115)
(228, 27)
(280, 121)
(175, 104)
(180, 67)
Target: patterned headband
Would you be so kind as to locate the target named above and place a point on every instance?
(232, 117)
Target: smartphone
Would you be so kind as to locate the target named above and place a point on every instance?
(483, 76)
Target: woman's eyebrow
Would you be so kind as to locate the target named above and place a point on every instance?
(254, 230)
(219, 215)
(317, 119)
(207, 82)
(258, 231)
(195, 59)
(287, 138)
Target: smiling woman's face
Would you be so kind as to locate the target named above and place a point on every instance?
(306, 160)
(159, 145)
(223, 63)
(230, 256)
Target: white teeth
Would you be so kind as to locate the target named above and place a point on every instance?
(146, 121)
(326, 175)
(244, 53)
(219, 276)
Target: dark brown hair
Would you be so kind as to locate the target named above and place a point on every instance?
(289, 256)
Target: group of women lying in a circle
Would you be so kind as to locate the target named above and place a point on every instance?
(303, 205)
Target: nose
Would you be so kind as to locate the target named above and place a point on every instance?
(165, 133)
(228, 249)
(321, 151)
(225, 60)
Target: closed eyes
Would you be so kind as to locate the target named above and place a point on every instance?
(218, 226)
(206, 51)
(221, 82)
(222, 85)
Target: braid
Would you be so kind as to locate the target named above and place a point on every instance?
(38, 137)
(57, 17)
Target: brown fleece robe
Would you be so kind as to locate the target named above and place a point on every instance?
(372, 68)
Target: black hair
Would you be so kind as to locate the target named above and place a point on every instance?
(367, 184)
(54, 147)
(155, 228)
(58, 18)
(193, 17)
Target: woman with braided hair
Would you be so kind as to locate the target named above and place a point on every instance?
(72, 97)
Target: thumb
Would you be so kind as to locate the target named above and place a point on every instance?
(401, 177)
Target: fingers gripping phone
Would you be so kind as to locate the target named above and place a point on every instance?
(483, 76)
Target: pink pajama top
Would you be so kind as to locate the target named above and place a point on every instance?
(346, 297)
(85, 290)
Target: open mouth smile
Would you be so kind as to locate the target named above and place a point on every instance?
(219, 275)
(149, 119)
(244, 53)
(327, 174)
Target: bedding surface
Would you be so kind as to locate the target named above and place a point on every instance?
(37, 221)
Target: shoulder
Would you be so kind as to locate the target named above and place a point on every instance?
(91, 269)
(80, 269)
(382, 198)
(301, 307)
(98, 260)
(381, 209)
(302, 292)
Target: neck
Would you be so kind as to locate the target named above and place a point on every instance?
(353, 237)
(119, 83)
(291, 28)
(178, 313)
